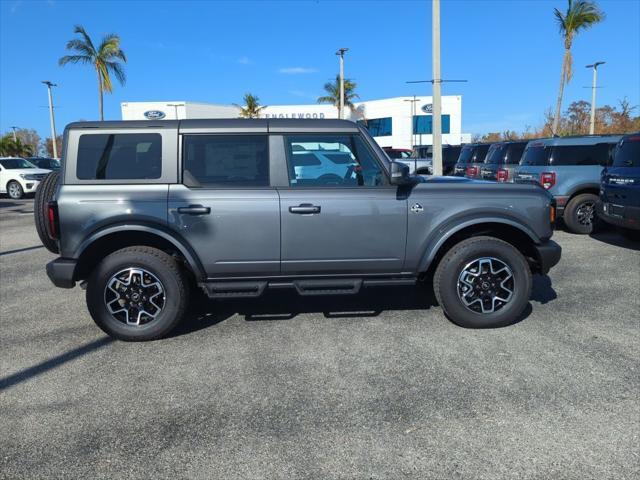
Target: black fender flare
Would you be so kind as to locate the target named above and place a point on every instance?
(150, 228)
(451, 228)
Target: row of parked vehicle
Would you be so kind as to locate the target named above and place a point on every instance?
(21, 176)
(575, 170)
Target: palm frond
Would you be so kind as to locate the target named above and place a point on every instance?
(117, 69)
(80, 47)
(87, 39)
(74, 59)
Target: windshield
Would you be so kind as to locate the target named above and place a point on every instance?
(628, 153)
(535, 155)
(14, 163)
(496, 153)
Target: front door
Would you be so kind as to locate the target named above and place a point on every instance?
(339, 214)
(225, 208)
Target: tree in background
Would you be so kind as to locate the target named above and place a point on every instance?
(252, 107)
(333, 93)
(29, 136)
(14, 148)
(48, 146)
(580, 15)
(105, 59)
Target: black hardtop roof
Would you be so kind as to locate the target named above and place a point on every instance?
(280, 125)
(571, 140)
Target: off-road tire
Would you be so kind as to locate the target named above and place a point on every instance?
(17, 188)
(445, 282)
(570, 215)
(44, 194)
(160, 264)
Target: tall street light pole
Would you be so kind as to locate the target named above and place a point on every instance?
(54, 143)
(592, 127)
(413, 116)
(340, 53)
(437, 93)
(15, 138)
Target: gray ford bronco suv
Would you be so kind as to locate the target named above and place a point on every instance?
(141, 211)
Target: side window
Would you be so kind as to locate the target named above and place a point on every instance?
(331, 160)
(581, 154)
(119, 156)
(219, 161)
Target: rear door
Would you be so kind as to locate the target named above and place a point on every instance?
(350, 221)
(224, 206)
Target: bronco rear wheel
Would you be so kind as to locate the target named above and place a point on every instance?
(580, 213)
(483, 282)
(137, 294)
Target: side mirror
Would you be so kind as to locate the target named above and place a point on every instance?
(399, 173)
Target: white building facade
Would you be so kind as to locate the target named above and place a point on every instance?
(399, 122)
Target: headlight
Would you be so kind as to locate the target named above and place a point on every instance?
(28, 176)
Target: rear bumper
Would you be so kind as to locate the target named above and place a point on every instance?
(620, 215)
(61, 272)
(548, 254)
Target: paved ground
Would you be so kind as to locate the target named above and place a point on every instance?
(376, 386)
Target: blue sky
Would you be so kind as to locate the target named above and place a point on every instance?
(283, 51)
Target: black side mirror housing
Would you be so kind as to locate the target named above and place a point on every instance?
(399, 173)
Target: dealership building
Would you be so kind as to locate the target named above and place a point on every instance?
(399, 122)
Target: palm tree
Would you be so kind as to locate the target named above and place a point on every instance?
(580, 15)
(333, 93)
(14, 148)
(252, 107)
(105, 59)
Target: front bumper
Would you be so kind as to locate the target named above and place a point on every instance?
(30, 186)
(619, 215)
(61, 272)
(548, 254)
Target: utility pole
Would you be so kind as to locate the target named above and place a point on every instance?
(592, 126)
(54, 142)
(437, 92)
(15, 138)
(413, 116)
(340, 53)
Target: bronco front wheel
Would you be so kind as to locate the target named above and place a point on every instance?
(483, 282)
(137, 293)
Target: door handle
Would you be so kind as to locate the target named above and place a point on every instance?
(305, 208)
(195, 210)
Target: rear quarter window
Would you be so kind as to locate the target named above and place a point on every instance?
(628, 153)
(119, 156)
(535, 155)
(598, 154)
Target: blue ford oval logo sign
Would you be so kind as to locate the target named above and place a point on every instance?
(427, 108)
(154, 115)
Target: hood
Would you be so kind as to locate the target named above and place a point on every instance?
(451, 180)
(29, 171)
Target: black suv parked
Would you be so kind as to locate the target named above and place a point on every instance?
(502, 159)
(472, 153)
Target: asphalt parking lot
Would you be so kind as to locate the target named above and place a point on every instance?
(375, 386)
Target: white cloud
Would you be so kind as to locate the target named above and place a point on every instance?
(296, 70)
(244, 61)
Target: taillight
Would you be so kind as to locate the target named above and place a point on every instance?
(52, 215)
(472, 171)
(548, 179)
(503, 175)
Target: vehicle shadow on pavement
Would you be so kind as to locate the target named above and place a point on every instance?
(371, 302)
(617, 239)
(287, 304)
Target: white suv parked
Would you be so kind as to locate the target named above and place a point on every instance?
(19, 177)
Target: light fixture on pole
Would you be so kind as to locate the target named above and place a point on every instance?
(340, 53)
(413, 116)
(592, 126)
(54, 143)
(175, 107)
(15, 138)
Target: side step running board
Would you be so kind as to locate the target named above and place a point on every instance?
(349, 286)
(234, 289)
(305, 287)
